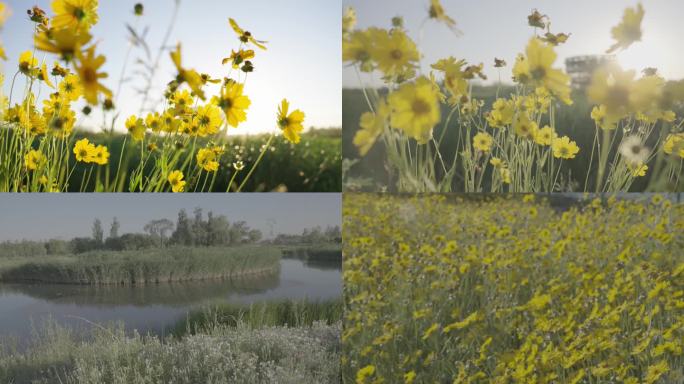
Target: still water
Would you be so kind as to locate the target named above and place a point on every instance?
(155, 308)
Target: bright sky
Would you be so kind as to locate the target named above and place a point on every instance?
(302, 62)
(45, 216)
(498, 28)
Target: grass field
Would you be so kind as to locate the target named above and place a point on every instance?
(314, 252)
(247, 351)
(509, 290)
(143, 267)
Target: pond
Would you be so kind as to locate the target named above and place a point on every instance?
(155, 308)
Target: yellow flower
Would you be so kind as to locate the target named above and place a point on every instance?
(483, 142)
(207, 159)
(364, 373)
(497, 162)
(505, 175)
(674, 143)
(86, 68)
(536, 69)
(545, 136)
(38, 124)
(437, 12)
(245, 36)
(599, 115)
(638, 170)
(501, 114)
(348, 20)
(524, 126)
(564, 148)
(395, 53)
(415, 109)
(629, 29)
(176, 180)
(233, 103)
(27, 63)
(182, 101)
(74, 14)
(62, 123)
(372, 125)
(291, 124)
(5, 12)
(70, 87)
(65, 42)
(43, 76)
(84, 151)
(454, 78)
(154, 122)
(189, 76)
(428, 332)
(136, 128)
(409, 377)
(33, 160)
(207, 119)
(357, 47)
(101, 155)
(655, 371)
(238, 57)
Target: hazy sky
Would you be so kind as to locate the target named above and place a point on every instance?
(302, 62)
(44, 216)
(498, 28)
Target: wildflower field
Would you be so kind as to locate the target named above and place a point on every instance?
(513, 288)
(178, 141)
(440, 130)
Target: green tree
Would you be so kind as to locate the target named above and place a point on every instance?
(98, 233)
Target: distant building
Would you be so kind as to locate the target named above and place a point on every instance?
(581, 68)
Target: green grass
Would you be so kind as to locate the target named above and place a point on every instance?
(145, 266)
(313, 165)
(314, 252)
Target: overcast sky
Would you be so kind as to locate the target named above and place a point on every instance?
(498, 28)
(302, 62)
(44, 216)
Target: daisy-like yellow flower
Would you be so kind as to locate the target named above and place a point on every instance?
(454, 78)
(100, 155)
(497, 162)
(84, 151)
(291, 124)
(357, 47)
(233, 103)
(524, 126)
(27, 63)
(564, 148)
(505, 174)
(415, 109)
(395, 53)
(372, 125)
(175, 178)
(189, 76)
(154, 122)
(182, 101)
(38, 124)
(501, 114)
(638, 170)
(545, 136)
(87, 68)
(136, 128)
(207, 159)
(536, 69)
(208, 119)
(70, 87)
(674, 143)
(600, 116)
(437, 12)
(54, 104)
(245, 36)
(61, 123)
(74, 14)
(33, 160)
(238, 57)
(483, 142)
(44, 77)
(64, 42)
(629, 30)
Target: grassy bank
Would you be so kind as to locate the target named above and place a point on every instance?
(314, 252)
(292, 313)
(220, 354)
(146, 266)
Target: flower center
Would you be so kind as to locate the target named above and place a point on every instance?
(396, 54)
(420, 107)
(89, 75)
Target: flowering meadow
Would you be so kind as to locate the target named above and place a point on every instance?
(438, 135)
(513, 289)
(178, 140)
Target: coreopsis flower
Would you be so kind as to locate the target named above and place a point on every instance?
(38, 124)
(629, 30)
(415, 109)
(182, 101)
(497, 162)
(555, 39)
(501, 114)
(34, 160)
(84, 151)
(536, 19)
(633, 150)
(638, 170)
(154, 122)
(27, 63)
(600, 116)
(189, 76)
(175, 178)
(64, 42)
(674, 144)
(100, 155)
(564, 148)
(454, 78)
(74, 14)
(238, 57)
(395, 54)
(233, 103)
(357, 47)
(61, 123)
(43, 76)
(87, 69)
(207, 119)
(483, 142)
(545, 136)
(291, 124)
(372, 125)
(207, 159)
(58, 70)
(536, 69)
(524, 126)
(437, 12)
(246, 36)
(136, 128)
(70, 87)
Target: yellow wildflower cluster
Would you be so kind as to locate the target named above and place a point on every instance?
(512, 289)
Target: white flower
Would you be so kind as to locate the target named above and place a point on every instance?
(633, 150)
